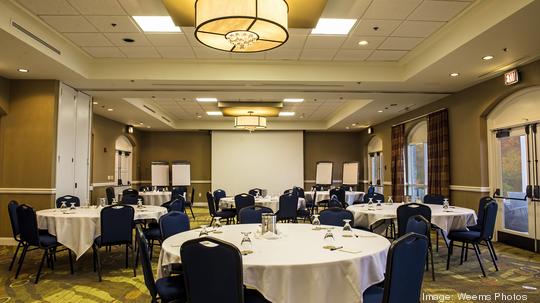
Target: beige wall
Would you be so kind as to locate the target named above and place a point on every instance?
(27, 145)
(338, 147)
(467, 110)
(4, 96)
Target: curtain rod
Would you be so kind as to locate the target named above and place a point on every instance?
(420, 117)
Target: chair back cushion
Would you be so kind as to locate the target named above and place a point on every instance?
(418, 224)
(26, 217)
(178, 191)
(255, 191)
(288, 204)
(405, 211)
(130, 192)
(218, 194)
(299, 192)
(109, 191)
(253, 214)
(212, 271)
(339, 193)
(173, 223)
(481, 205)
(178, 204)
(12, 211)
(68, 199)
(335, 216)
(375, 196)
(130, 199)
(211, 203)
(490, 217)
(405, 269)
(146, 264)
(434, 199)
(116, 224)
(243, 200)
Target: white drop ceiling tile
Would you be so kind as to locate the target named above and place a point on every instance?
(365, 27)
(386, 55)
(400, 43)
(176, 52)
(98, 7)
(69, 24)
(318, 54)
(49, 7)
(144, 8)
(417, 28)
(117, 39)
(283, 54)
(373, 42)
(323, 42)
(438, 10)
(140, 52)
(104, 52)
(88, 39)
(162, 39)
(391, 9)
(300, 31)
(209, 53)
(295, 42)
(123, 24)
(352, 55)
(345, 9)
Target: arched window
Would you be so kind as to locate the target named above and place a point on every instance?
(123, 161)
(375, 164)
(417, 162)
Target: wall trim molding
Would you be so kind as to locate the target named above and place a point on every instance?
(7, 241)
(387, 183)
(313, 181)
(476, 189)
(104, 184)
(30, 191)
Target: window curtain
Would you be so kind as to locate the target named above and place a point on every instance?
(398, 171)
(438, 154)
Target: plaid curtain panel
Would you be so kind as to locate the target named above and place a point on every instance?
(438, 154)
(398, 171)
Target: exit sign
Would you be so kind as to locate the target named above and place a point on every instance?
(511, 77)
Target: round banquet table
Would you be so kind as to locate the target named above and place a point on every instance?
(455, 218)
(295, 267)
(153, 197)
(270, 202)
(76, 229)
(350, 196)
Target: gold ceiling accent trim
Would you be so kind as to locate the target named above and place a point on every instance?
(302, 13)
(263, 109)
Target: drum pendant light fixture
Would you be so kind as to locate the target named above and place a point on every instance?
(241, 26)
(250, 122)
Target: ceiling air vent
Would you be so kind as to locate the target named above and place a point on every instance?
(165, 119)
(34, 37)
(149, 108)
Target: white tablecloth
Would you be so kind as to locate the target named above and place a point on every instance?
(78, 228)
(350, 196)
(456, 218)
(296, 268)
(270, 202)
(153, 197)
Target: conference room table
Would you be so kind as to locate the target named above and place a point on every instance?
(350, 196)
(270, 202)
(155, 198)
(453, 218)
(77, 228)
(294, 267)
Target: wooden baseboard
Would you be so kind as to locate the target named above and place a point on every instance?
(7, 241)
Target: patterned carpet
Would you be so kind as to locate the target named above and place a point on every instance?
(519, 275)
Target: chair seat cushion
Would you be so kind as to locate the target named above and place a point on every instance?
(47, 240)
(475, 227)
(464, 236)
(225, 214)
(253, 296)
(152, 233)
(374, 294)
(303, 213)
(171, 288)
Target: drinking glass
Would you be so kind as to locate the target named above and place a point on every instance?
(139, 203)
(379, 205)
(370, 203)
(72, 206)
(347, 229)
(114, 201)
(217, 225)
(246, 243)
(63, 205)
(446, 204)
(204, 231)
(329, 239)
(390, 200)
(316, 222)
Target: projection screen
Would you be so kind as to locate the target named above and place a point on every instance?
(268, 160)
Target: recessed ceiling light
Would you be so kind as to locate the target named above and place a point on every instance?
(214, 113)
(199, 116)
(141, 123)
(148, 126)
(363, 43)
(23, 70)
(206, 99)
(354, 124)
(346, 127)
(110, 109)
(454, 74)
(156, 24)
(286, 114)
(95, 103)
(379, 111)
(488, 57)
(293, 100)
(330, 26)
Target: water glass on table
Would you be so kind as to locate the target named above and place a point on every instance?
(217, 225)
(316, 222)
(246, 244)
(329, 239)
(347, 229)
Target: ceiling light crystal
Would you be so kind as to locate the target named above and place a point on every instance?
(243, 26)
